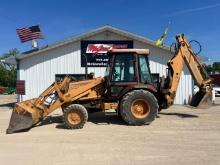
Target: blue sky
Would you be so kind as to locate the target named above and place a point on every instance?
(61, 19)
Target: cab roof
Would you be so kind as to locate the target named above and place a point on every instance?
(137, 51)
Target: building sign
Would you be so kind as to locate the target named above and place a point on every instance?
(95, 51)
(20, 87)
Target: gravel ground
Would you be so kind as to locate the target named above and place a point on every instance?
(179, 135)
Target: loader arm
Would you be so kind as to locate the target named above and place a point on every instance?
(184, 54)
(28, 113)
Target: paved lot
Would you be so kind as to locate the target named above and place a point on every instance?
(179, 136)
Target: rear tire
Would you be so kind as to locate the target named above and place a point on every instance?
(139, 107)
(75, 116)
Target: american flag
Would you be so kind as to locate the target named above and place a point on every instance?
(29, 33)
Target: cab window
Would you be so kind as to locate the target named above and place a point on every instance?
(123, 69)
(145, 75)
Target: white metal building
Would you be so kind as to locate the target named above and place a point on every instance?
(38, 68)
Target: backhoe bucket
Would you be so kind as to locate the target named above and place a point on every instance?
(202, 99)
(22, 118)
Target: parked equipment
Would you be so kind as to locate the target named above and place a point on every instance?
(127, 87)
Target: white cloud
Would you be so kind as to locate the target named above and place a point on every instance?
(194, 9)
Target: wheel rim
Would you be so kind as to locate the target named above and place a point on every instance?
(74, 118)
(140, 108)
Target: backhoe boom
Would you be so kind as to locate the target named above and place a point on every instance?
(184, 54)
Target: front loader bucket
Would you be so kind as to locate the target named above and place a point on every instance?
(19, 122)
(202, 99)
(22, 118)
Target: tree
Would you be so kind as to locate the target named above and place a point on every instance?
(11, 52)
(3, 73)
(212, 69)
(8, 72)
(208, 69)
(216, 66)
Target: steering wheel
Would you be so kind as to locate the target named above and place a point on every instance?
(115, 75)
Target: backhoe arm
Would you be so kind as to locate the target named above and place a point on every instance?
(184, 54)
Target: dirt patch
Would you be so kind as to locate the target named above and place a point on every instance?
(179, 135)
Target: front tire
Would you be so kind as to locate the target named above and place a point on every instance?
(139, 107)
(75, 116)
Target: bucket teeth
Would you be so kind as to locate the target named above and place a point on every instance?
(19, 122)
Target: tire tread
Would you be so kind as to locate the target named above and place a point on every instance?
(79, 108)
(128, 97)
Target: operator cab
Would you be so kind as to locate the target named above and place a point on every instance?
(127, 69)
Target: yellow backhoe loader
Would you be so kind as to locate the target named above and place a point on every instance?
(127, 87)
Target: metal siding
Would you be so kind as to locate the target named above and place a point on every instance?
(39, 71)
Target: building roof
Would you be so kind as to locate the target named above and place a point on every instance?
(107, 28)
(83, 36)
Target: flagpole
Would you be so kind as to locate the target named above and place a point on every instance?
(34, 44)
